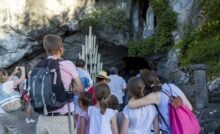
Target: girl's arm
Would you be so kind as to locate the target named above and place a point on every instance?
(82, 126)
(114, 124)
(156, 125)
(152, 98)
(125, 123)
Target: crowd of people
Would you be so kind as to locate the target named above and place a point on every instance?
(96, 107)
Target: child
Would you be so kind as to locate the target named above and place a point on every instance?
(156, 96)
(84, 101)
(9, 121)
(27, 100)
(113, 103)
(85, 79)
(140, 120)
(102, 119)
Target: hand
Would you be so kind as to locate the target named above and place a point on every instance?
(22, 68)
(17, 69)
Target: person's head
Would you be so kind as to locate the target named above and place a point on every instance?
(102, 93)
(84, 100)
(102, 77)
(113, 102)
(151, 81)
(113, 70)
(136, 87)
(3, 75)
(80, 63)
(53, 45)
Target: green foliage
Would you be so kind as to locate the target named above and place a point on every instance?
(141, 47)
(105, 17)
(202, 45)
(162, 39)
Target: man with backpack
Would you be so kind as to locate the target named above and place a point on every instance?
(52, 84)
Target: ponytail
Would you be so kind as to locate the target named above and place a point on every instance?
(102, 93)
(103, 105)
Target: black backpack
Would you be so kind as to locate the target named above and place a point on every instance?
(46, 87)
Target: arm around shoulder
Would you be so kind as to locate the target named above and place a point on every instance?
(152, 98)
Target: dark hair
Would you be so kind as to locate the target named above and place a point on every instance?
(136, 87)
(113, 102)
(151, 81)
(80, 63)
(85, 98)
(102, 93)
(3, 72)
(52, 43)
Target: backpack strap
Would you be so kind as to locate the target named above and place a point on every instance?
(170, 89)
(162, 117)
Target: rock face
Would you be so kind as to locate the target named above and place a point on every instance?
(23, 23)
(188, 14)
(113, 36)
(214, 85)
(73, 46)
(168, 65)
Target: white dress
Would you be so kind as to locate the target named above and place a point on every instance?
(140, 119)
(100, 123)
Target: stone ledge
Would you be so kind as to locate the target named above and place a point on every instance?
(198, 67)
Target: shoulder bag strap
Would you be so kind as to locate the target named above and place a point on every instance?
(166, 94)
(162, 117)
(170, 89)
(160, 114)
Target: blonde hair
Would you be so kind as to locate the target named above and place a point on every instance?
(102, 93)
(52, 43)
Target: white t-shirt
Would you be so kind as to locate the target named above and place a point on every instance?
(100, 123)
(164, 101)
(85, 73)
(117, 85)
(140, 119)
(6, 85)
